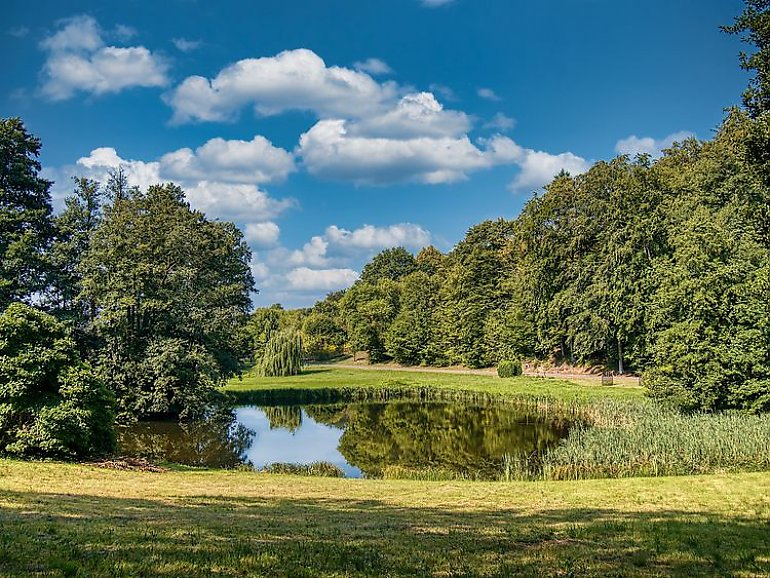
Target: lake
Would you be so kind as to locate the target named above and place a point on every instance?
(362, 439)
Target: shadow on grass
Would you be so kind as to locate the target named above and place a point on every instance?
(57, 534)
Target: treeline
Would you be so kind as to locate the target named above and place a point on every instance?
(654, 266)
(126, 305)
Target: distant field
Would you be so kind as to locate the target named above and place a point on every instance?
(71, 520)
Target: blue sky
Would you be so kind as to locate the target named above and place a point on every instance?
(331, 130)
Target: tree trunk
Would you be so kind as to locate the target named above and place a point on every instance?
(620, 357)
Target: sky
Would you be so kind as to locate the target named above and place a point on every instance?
(329, 131)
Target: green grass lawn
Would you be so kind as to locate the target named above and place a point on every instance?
(329, 377)
(73, 520)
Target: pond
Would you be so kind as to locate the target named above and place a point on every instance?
(361, 439)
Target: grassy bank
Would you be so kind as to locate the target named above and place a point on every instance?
(71, 520)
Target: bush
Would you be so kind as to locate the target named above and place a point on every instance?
(282, 356)
(508, 368)
(51, 403)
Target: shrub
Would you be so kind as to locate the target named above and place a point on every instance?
(51, 403)
(282, 356)
(508, 368)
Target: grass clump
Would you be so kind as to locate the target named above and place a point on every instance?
(508, 368)
(319, 469)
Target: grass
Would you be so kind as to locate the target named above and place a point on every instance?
(75, 520)
(331, 379)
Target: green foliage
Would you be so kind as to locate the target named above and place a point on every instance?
(25, 215)
(282, 356)
(367, 311)
(508, 368)
(74, 227)
(388, 264)
(51, 403)
(754, 24)
(171, 289)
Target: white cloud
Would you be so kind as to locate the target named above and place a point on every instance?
(262, 234)
(224, 200)
(259, 270)
(373, 66)
(330, 152)
(305, 279)
(538, 168)
(371, 237)
(312, 253)
(292, 80)
(254, 161)
(500, 122)
(185, 45)
(488, 94)
(415, 115)
(79, 60)
(634, 145)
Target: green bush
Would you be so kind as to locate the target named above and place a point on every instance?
(508, 368)
(282, 356)
(51, 403)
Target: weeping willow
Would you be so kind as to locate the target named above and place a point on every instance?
(282, 356)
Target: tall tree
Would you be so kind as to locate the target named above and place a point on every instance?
(172, 290)
(754, 24)
(25, 214)
(388, 264)
(74, 227)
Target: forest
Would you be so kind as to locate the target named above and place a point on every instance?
(129, 304)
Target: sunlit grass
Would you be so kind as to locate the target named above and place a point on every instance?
(65, 519)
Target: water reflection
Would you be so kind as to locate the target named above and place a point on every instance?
(360, 438)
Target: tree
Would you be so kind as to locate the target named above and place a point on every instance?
(368, 310)
(754, 24)
(388, 264)
(51, 403)
(74, 228)
(408, 340)
(25, 215)
(282, 356)
(172, 292)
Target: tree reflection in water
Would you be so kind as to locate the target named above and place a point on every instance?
(217, 441)
(465, 439)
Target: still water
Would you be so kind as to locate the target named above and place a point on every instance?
(362, 439)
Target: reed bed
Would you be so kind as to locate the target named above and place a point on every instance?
(663, 442)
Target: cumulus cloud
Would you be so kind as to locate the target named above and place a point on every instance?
(292, 80)
(415, 115)
(373, 66)
(371, 237)
(185, 45)
(79, 60)
(312, 253)
(306, 279)
(225, 200)
(330, 151)
(262, 234)
(538, 168)
(488, 94)
(238, 161)
(634, 145)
